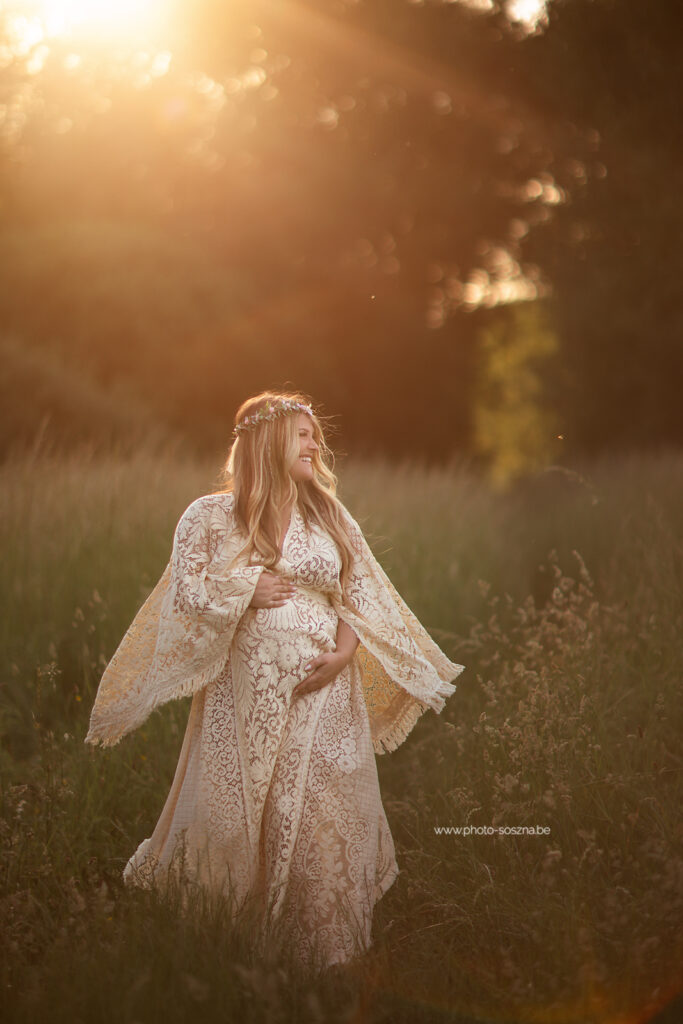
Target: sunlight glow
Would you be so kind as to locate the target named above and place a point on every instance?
(96, 19)
(64, 16)
(530, 12)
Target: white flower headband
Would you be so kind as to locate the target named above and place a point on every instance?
(271, 411)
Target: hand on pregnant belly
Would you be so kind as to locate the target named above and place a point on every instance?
(324, 669)
(271, 591)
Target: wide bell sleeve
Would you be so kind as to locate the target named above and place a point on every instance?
(404, 671)
(181, 637)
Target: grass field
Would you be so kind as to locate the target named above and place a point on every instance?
(563, 597)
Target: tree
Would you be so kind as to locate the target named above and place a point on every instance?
(516, 429)
(344, 168)
(613, 253)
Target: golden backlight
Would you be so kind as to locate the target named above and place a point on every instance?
(98, 20)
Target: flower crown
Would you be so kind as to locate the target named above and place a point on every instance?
(271, 411)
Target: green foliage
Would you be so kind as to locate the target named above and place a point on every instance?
(48, 402)
(273, 205)
(606, 77)
(514, 428)
(561, 596)
(131, 323)
(302, 195)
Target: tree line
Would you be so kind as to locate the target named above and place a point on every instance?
(457, 234)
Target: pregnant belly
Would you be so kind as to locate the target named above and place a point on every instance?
(274, 645)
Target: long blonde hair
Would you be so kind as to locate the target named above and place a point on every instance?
(257, 472)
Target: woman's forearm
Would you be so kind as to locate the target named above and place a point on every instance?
(347, 641)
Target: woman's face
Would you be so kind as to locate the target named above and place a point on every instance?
(303, 466)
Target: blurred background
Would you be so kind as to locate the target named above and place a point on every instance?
(456, 225)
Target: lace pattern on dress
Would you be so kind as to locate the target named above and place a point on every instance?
(277, 798)
(182, 635)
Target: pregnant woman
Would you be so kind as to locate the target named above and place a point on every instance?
(303, 662)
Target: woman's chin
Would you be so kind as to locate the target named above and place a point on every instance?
(302, 473)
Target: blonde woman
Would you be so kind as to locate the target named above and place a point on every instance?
(303, 662)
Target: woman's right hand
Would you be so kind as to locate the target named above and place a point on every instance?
(271, 591)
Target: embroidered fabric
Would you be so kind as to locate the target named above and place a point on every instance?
(274, 797)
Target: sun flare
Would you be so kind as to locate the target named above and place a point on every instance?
(100, 19)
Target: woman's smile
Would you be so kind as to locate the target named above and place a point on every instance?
(303, 467)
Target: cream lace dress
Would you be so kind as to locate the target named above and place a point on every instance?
(275, 798)
(280, 795)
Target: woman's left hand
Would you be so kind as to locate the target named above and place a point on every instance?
(324, 669)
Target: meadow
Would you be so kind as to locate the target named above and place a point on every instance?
(562, 595)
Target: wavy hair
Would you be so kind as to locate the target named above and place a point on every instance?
(257, 472)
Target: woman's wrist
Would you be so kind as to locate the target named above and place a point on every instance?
(345, 652)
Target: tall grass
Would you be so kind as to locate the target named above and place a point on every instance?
(562, 596)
